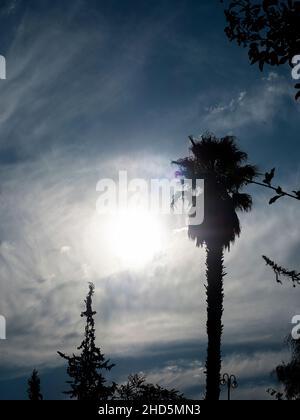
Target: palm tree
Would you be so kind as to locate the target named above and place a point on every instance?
(223, 168)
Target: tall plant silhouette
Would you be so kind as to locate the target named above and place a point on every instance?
(87, 380)
(34, 387)
(225, 172)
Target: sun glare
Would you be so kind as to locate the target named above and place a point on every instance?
(135, 237)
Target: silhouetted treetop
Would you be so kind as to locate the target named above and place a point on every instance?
(224, 168)
(87, 380)
(34, 387)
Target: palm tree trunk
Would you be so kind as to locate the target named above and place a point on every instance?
(215, 295)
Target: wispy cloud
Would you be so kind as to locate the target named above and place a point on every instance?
(259, 104)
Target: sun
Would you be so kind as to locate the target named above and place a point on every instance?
(135, 237)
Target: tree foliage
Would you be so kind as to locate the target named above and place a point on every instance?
(288, 374)
(86, 370)
(270, 29)
(137, 389)
(34, 387)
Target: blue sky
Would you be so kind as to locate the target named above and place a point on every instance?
(97, 86)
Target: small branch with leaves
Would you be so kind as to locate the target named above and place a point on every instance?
(283, 272)
(280, 193)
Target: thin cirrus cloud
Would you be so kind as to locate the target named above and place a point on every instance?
(259, 104)
(64, 84)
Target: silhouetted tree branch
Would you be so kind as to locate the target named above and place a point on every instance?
(281, 271)
(266, 183)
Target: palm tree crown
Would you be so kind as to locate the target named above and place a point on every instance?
(225, 172)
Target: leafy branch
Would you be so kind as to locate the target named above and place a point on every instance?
(267, 183)
(281, 271)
